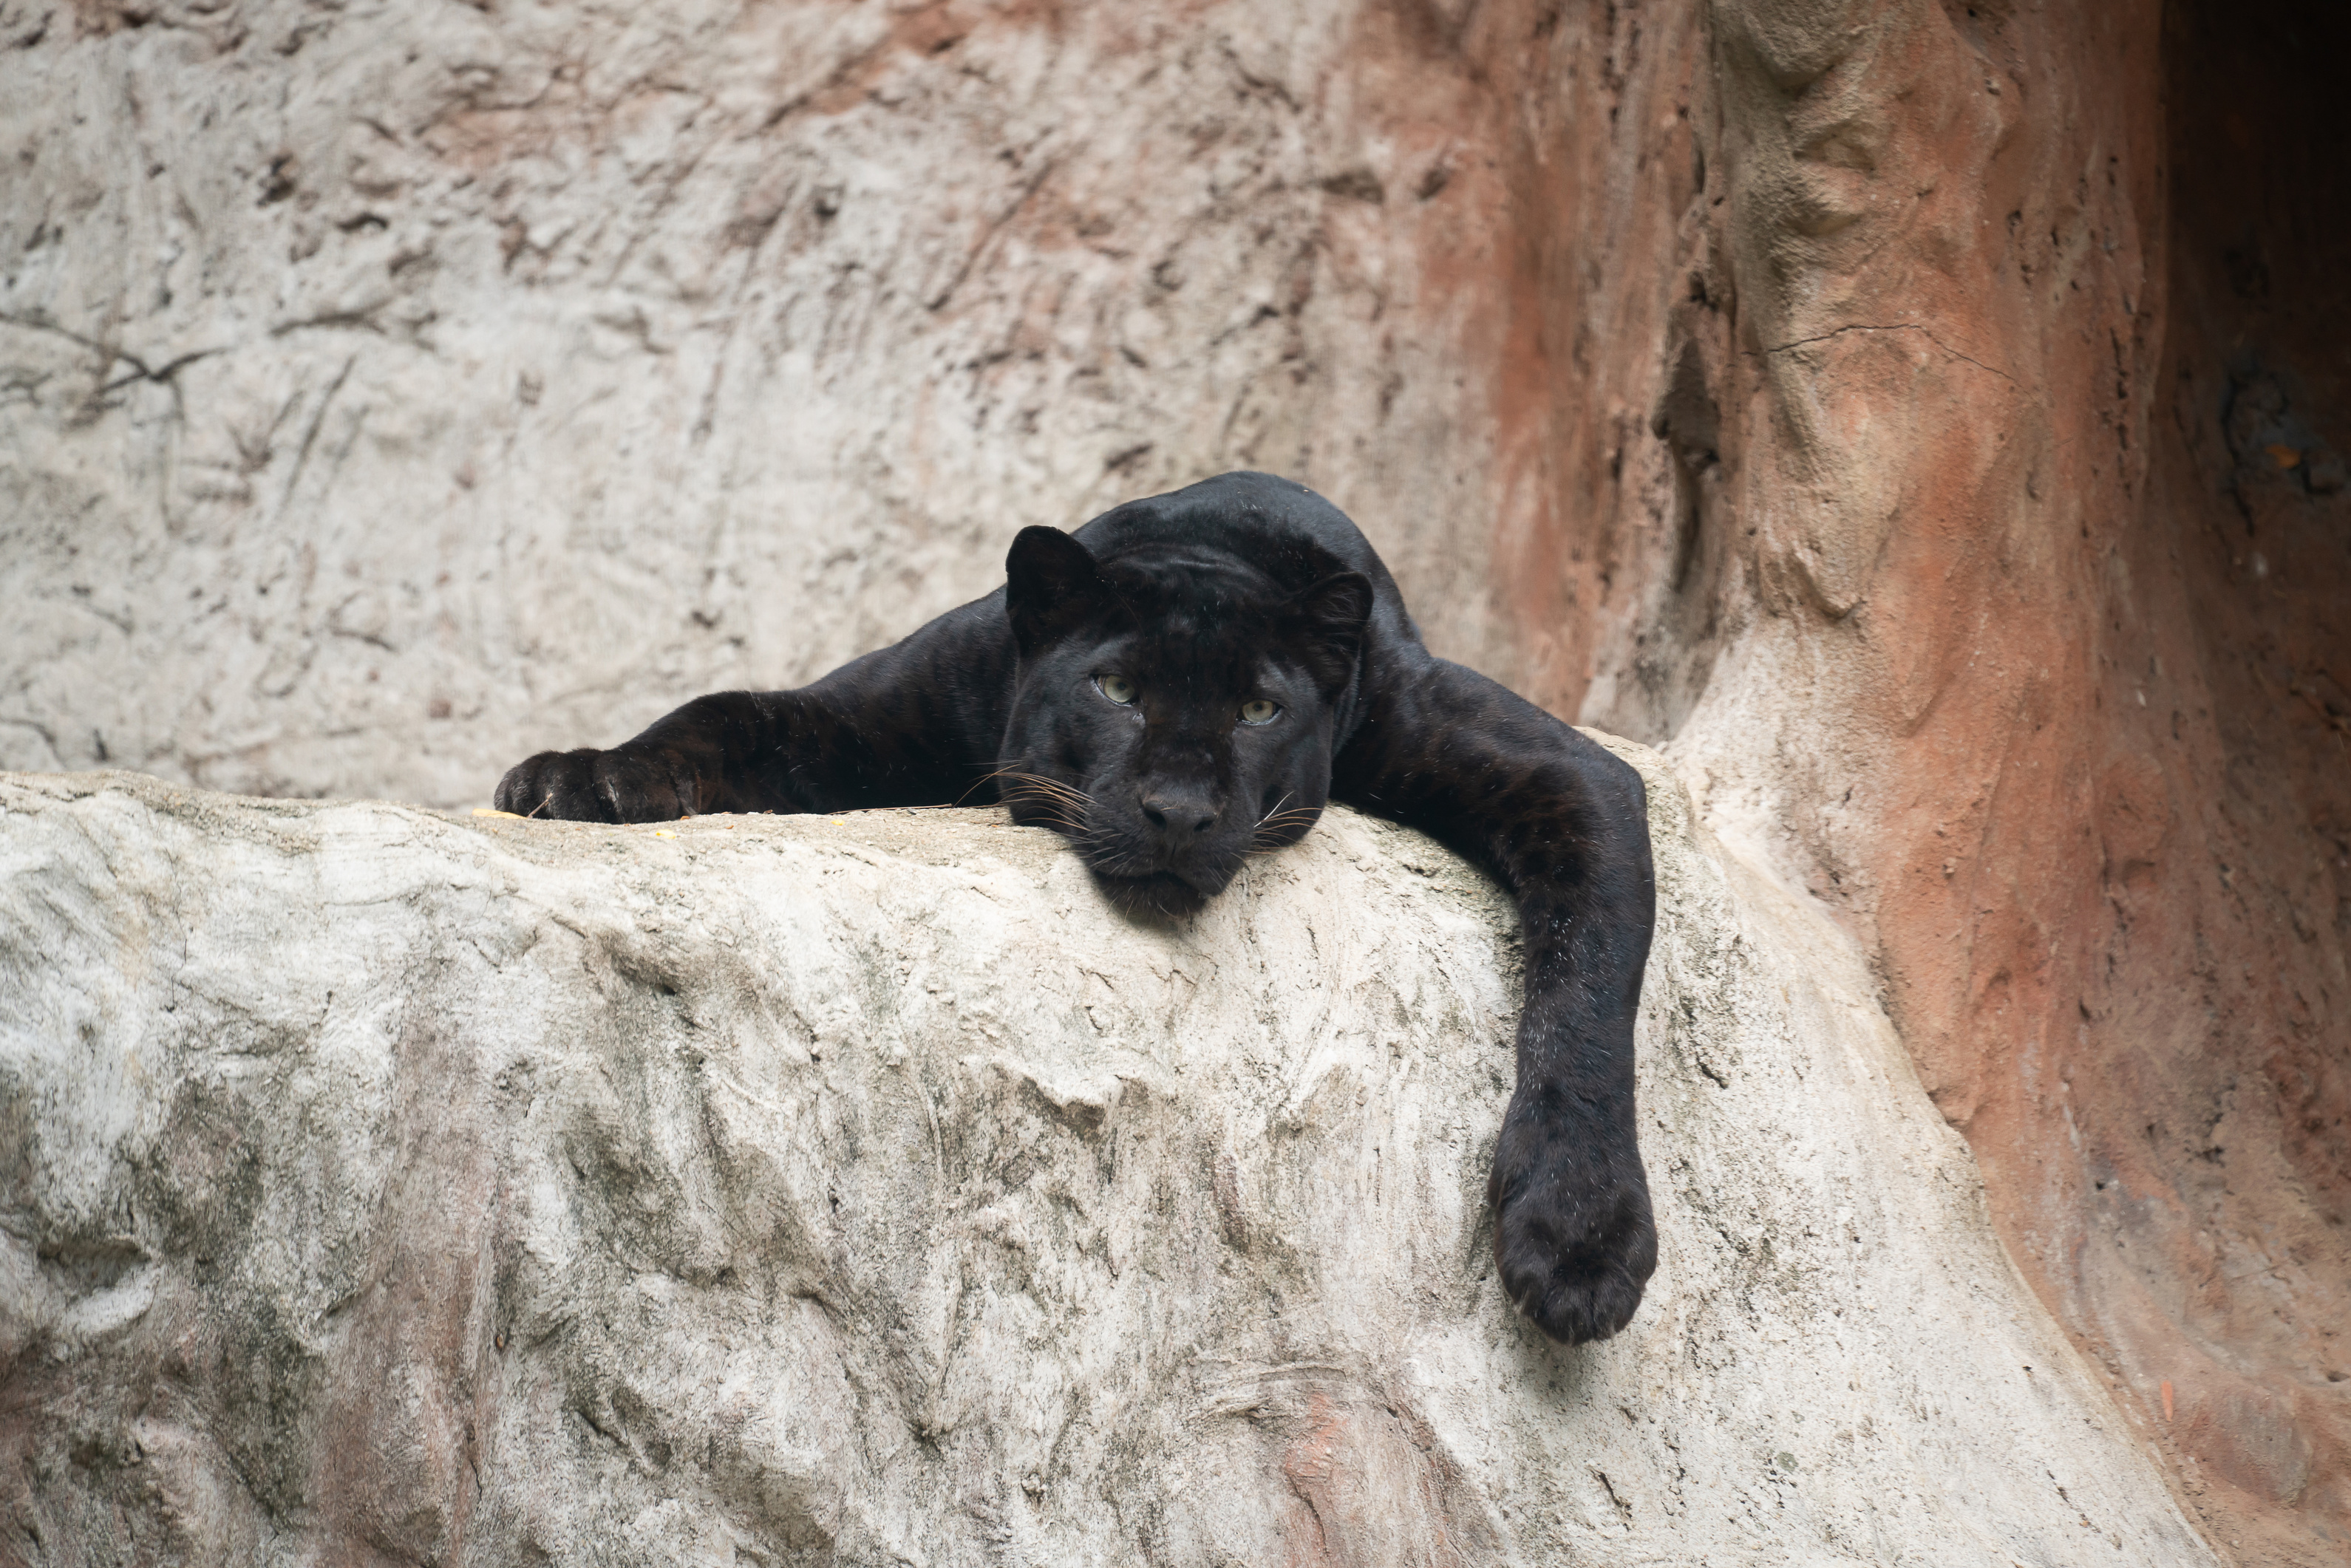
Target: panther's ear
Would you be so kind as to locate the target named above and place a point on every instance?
(1324, 623)
(1051, 584)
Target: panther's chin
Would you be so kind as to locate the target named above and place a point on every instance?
(1162, 895)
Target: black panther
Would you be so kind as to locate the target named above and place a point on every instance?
(1189, 678)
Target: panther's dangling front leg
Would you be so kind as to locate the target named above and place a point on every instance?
(1562, 825)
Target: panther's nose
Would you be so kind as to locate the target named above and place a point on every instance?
(1178, 815)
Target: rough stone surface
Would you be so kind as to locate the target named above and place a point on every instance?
(2006, 403)
(386, 1186)
(388, 392)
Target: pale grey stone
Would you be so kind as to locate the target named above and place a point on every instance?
(389, 391)
(383, 1185)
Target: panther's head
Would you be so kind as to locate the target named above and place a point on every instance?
(1173, 712)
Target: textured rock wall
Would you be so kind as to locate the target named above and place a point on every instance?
(390, 1187)
(391, 392)
(2008, 411)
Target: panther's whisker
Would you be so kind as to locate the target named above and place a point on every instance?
(973, 785)
(1068, 794)
(1079, 810)
(1031, 792)
(1270, 832)
(989, 777)
(1011, 772)
(1040, 781)
(1060, 801)
(1046, 811)
(1053, 813)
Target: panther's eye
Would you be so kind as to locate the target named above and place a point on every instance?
(1118, 688)
(1259, 712)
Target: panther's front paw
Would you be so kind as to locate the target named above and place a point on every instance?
(620, 786)
(1574, 1238)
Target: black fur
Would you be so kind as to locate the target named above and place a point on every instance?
(1241, 590)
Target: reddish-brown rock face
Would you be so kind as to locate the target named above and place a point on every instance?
(1961, 492)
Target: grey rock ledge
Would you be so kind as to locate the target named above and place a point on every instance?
(381, 1186)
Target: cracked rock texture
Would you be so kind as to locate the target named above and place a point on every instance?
(1926, 420)
(392, 1187)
